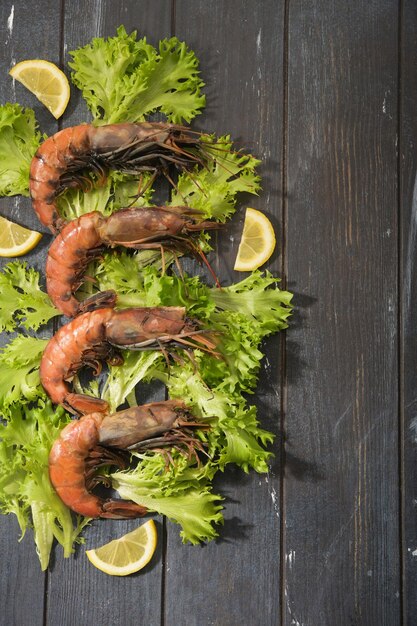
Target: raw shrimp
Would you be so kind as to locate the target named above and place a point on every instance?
(96, 440)
(94, 337)
(63, 160)
(84, 238)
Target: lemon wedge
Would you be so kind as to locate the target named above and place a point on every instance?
(46, 81)
(257, 243)
(128, 554)
(16, 240)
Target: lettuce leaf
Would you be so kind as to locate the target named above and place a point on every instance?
(213, 190)
(19, 371)
(268, 309)
(242, 314)
(19, 140)
(26, 437)
(195, 508)
(125, 273)
(123, 379)
(235, 435)
(123, 79)
(115, 192)
(23, 303)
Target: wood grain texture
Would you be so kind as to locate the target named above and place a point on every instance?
(100, 18)
(408, 301)
(235, 580)
(313, 90)
(341, 498)
(21, 36)
(22, 584)
(21, 581)
(78, 593)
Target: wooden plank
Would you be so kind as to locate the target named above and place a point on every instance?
(78, 593)
(101, 18)
(341, 495)
(408, 199)
(341, 560)
(19, 32)
(235, 580)
(21, 580)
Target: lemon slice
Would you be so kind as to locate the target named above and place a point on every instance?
(257, 243)
(16, 240)
(128, 554)
(46, 81)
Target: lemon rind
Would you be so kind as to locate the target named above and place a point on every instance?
(31, 240)
(131, 568)
(16, 73)
(260, 259)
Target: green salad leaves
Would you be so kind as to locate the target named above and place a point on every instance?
(23, 304)
(26, 437)
(213, 190)
(125, 79)
(242, 315)
(19, 140)
(19, 371)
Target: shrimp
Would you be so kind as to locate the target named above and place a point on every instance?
(97, 440)
(94, 336)
(84, 238)
(63, 159)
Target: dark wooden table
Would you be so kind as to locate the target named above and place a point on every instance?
(325, 93)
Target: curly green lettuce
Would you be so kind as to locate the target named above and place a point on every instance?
(213, 189)
(23, 303)
(26, 437)
(19, 140)
(193, 506)
(123, 79)
(116, 191)
(19, 371)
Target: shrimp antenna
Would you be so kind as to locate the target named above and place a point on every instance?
(165, 355)
(199, 252)
(189, 154)
(194, 181)
(180, 272)
(215, 160)
(173, 183)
